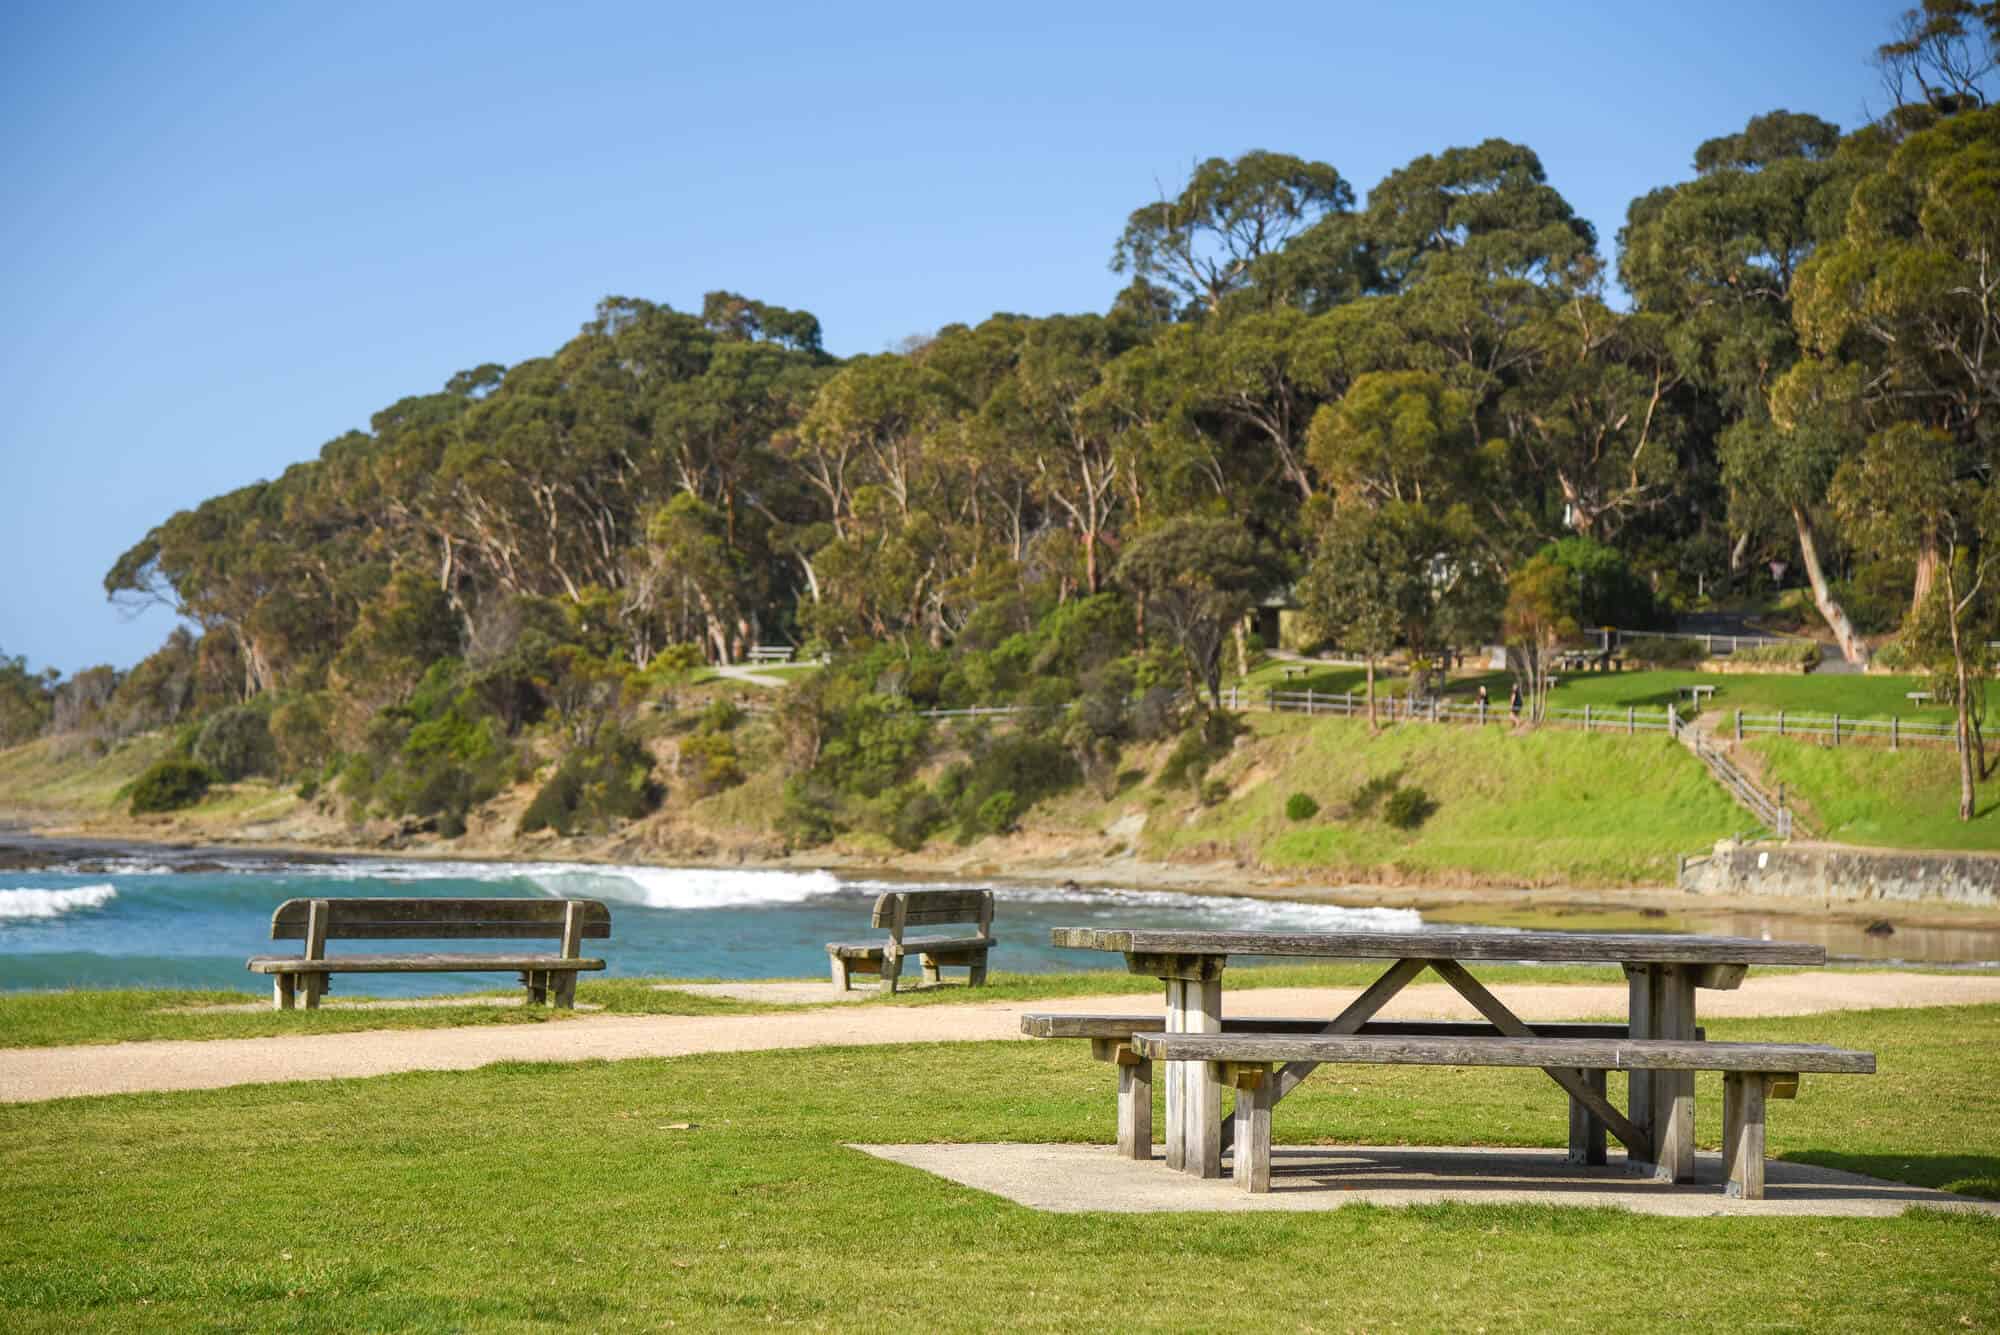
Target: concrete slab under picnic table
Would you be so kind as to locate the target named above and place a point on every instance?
(1070, 1179)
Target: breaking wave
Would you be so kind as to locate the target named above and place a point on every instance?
(25, 903)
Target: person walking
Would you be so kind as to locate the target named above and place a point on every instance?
(1514, 702)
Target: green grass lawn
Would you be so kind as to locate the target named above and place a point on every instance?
(1553, 806)
(1870, 795)
(717, 1192)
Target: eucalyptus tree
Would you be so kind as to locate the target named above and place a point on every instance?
(1207, 241)
(1902, 312)
(1200, 576)
(1719, 258)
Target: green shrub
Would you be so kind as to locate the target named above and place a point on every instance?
(997, 814)
(1300, 806)
(170, 785)
(1214, 793)
(1362, 801)
(1408, 808)
(1892, 655)
(236, 743)
(1019, 767)
(595, 788)
(1674, 652)
(1802, 654)
(1204, 743)
(709, 763)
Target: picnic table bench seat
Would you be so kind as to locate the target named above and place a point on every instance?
(1256, 1063)
(546, 975)
(1111, 1041)
(899, 910)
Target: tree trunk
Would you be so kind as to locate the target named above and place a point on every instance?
(1927, 572)
(1963, 718)
(1851, 646)
(1242, 650)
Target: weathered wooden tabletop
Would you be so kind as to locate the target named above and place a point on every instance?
(1534, 947)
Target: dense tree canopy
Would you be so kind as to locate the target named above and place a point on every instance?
(1400, 400)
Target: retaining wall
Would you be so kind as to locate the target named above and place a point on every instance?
(1830, 874)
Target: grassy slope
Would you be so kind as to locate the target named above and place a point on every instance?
(1549, 806)
(1869, 795)
(524, 1196)
(1849, 696)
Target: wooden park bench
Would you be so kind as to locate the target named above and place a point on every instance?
(1111, 1041)
(899, 910)
(317, 921)
(771, 653)
(1256, 1065)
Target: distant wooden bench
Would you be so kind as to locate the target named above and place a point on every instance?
(772, 653)
(1698, 693)
(1752, 1073)
(900, 910)
(317, 921)
(1111, 1041)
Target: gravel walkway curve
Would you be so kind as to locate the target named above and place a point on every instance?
(33, 1074)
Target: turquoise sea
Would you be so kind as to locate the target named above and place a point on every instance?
(143, 919)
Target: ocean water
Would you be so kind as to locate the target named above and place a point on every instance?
(139, 922)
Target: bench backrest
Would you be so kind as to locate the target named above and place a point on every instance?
(899, 909)
(314, 921)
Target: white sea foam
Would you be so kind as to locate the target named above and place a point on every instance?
(27, 903)
(653, 887)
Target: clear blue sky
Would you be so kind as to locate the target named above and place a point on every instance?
(232, 232)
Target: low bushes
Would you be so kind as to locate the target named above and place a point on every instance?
(1300, 806)
(170, 785)
(596, 787)
(1800, 654)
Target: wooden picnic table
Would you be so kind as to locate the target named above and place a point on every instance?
(1663, 974)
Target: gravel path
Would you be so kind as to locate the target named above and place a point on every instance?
(31, 1074)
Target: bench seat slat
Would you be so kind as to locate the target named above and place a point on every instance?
(1047, 1025)
(912, 945)
(1612, 1054)
(417, 963)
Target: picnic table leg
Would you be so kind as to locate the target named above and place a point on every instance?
(1251, 1164)
(1662, 1102)
(1135, 1096)
(1586, 1128)
(1202, 1000)
(1743, 1133)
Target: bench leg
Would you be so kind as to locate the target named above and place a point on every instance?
(1586, 1129)
(1743, 1133)
(1135, 1106)
(536, 981)
(1252, 1161)
(892, 973)
(284, 991)
(316, 985)
(977, 976)
(932, 971)
(840, 975)
(566, 989)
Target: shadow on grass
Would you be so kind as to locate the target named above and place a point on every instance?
(1967, 1174)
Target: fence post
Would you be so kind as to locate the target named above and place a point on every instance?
(1781, 723)
(1482, 712)
(1836, 730)
(1347, 702)
(1631, 720)
(1309, 702)
(1894, 719)
(1586, 718)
